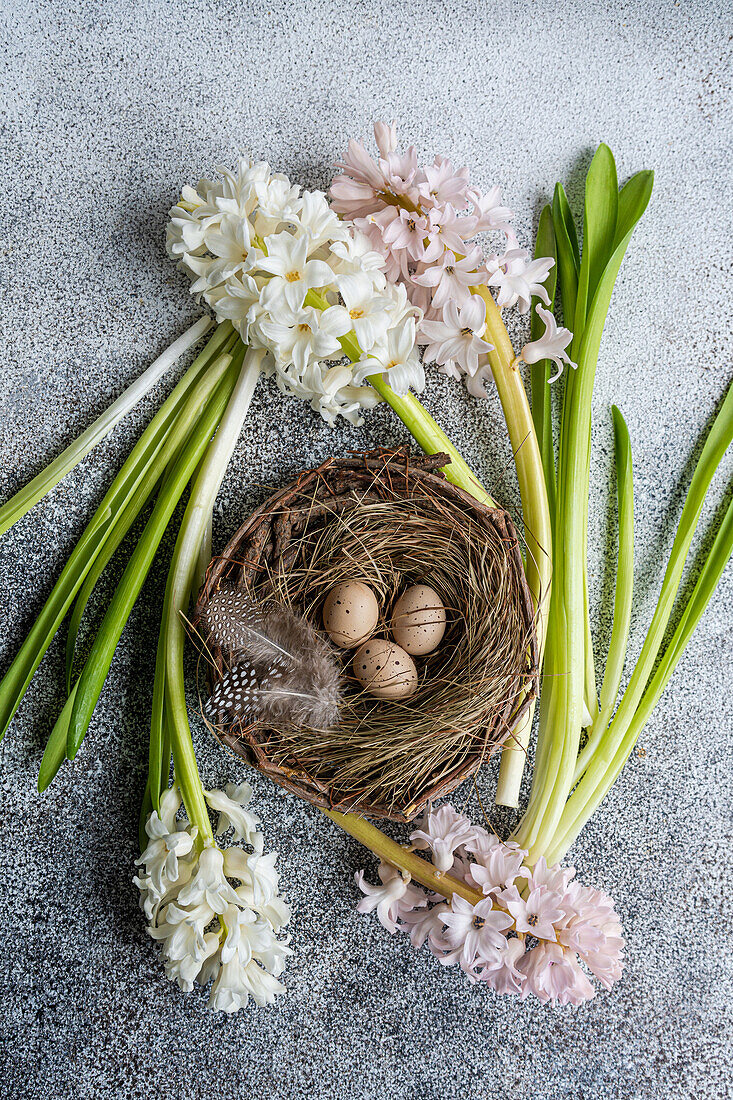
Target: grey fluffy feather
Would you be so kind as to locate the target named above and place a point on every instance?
(282, 672)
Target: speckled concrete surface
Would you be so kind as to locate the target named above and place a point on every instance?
(108, 108)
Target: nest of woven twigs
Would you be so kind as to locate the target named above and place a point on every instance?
(389, 520)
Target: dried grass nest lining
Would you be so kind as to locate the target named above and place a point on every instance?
(400, 524)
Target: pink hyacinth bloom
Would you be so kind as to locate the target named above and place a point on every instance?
(355, 191)
(551, 345)
(442, 831)
(450, 277)
(385, 137)
(535, 914)
(392, 899)
(592, 929)
(475, 933)
(374, 227)
(490, 214)
(442, 183)
(555, 878)
(518, 278)
(502, 972)
(425, 924)
(446, 230)
(457, 338)
(554, 975)
(399, 171)
(497, 864)
(408, 231)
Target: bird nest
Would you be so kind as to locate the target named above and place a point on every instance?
(389, 520)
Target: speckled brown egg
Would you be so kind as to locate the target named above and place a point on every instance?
(418, 620)
(350, 613)
(384, 669)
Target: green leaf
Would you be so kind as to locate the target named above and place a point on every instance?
(568, 254)
(620, 737)
(145, 810)
(633, 200)
(156, 751)
(100, 657)
(624, 591)
(21, 671)
(55, 752)
(36, 489)
(124, 488)
(599, 230)
(175, 424)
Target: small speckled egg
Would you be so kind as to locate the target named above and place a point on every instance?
(350, 613)
(384, 669)
(418, 620)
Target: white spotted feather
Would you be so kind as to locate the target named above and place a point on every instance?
(282, 672)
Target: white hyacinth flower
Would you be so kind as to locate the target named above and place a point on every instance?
(293, 278)
(231, 806)
(208, 928)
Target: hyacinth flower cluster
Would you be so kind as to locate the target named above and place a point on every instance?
(424, 221)
(210, 930)
(295, 280)
(526, 932)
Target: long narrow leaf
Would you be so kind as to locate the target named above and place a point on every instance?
(599, 230)
(100, 657)
(604, 766)
(55, 752)
(707, 582)
(624, 590)
(123, 488)
(36, 489)
(186, 412)
(21, 671)
(568, 254)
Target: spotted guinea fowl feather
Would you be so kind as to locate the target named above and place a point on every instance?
(282, 671)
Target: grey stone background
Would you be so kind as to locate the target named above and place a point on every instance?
(107, 109)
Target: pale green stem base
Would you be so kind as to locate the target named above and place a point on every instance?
(537, 523)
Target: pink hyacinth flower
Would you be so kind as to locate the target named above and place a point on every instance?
(425, 924)
(489, 213)
(475, 933)
(535, 914)
(445, 230)
(497, 864)
(502, 972)
(392, 899)
(407, 231)
(442, 831)
(518, 278)
(554, 975)
(551, 345)
(385, 137)
(457, 339)
(451, 278)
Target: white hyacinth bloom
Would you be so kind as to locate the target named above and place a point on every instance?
(293, 278)
(231, 806)
(207, 928)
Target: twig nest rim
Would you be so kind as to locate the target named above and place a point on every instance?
(388, 758)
